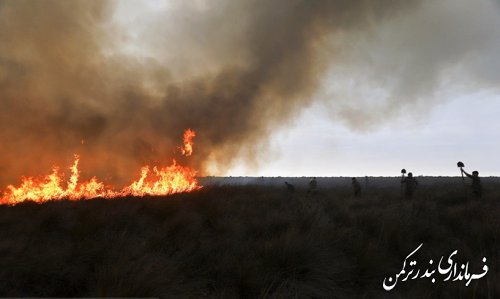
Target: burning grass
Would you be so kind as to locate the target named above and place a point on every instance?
(153, 181)
(245, 241)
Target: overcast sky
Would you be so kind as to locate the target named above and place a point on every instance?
(459, 122)
(467, 128)
(280, 87)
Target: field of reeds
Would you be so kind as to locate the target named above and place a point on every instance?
(250, 242)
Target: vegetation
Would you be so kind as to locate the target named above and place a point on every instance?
(249, 242)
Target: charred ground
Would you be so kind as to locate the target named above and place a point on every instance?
(248, 241)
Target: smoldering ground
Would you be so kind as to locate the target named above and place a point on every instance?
(74, 80)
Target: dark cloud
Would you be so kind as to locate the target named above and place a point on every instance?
(408, 64)
(231, 70)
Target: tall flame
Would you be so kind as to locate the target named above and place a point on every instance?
(160, 181)
(187, 149)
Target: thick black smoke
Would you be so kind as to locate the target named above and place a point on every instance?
(233, 71)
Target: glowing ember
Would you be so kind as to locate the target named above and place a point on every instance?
(160, 181)
(187, 150)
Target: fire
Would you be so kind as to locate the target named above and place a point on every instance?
(152, 181)
(187, 150)
(166, 180)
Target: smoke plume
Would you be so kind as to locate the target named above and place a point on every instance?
(75, 80)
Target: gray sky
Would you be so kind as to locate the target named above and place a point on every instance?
(464, 129)
(358, 125)
(290, 88)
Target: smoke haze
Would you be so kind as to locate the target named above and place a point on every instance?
(75, 79)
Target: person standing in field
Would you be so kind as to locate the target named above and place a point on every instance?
(313, 185)
(477, 189)
(356, 187)
(410, 184)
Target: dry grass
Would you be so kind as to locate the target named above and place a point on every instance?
(247, 242)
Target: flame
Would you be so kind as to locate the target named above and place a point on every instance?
(158, 181)
(187, 150)
(166, 180)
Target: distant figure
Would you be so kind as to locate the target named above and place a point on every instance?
(289, 187)
(477, 189)
(410, 185)
(356, 187)
(313, 185)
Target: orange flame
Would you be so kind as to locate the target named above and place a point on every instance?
(160, 181)
(163, 181)
(187, 150)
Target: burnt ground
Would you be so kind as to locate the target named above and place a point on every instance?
(250, 241)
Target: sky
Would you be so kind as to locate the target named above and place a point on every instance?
(464, 129)
(463, 126)
(272, 88)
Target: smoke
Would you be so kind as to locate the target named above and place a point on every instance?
(409, 64)
(75, 78)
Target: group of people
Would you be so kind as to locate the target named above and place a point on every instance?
(408, 183)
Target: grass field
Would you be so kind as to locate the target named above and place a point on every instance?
(249, 242)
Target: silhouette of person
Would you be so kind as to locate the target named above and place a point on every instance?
(477, 189)
(290, 187)
(313, 184)
(356, 187)
(410, 185)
